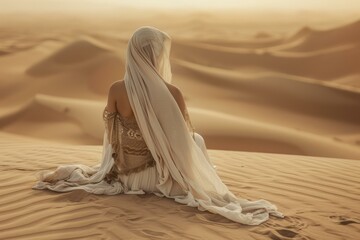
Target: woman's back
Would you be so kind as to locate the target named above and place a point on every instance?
(118, 100)
(135, 155)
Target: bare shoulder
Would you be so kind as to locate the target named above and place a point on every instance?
(117, 84)
(116, 87)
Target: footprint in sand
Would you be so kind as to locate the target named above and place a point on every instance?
(344, 220)
(289, 222)
(288, 228)
(282, 234)
(287, 233)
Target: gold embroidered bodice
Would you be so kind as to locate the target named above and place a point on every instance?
(130, 151)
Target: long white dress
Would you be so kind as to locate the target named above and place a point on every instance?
(174, 164)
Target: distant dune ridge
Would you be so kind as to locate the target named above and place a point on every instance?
(312, 40)
(70, 56)
(285, 99)
(83, 58)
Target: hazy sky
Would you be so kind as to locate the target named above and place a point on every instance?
(326, 5)
(248, 4)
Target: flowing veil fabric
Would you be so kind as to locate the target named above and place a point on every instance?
(185, 170)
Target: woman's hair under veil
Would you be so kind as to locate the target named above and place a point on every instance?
(150, 48)
(185, 173)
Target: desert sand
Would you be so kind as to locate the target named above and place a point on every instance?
(319, 197)
(278, 107)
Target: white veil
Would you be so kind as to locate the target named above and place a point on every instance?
(185, 172)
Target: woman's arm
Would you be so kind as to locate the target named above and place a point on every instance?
(111, 102)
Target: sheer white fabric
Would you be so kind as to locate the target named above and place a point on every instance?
(183, 169)
(185, 172)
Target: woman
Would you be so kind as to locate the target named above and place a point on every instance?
(150, 145)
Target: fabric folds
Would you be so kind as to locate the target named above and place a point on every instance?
(185, 171)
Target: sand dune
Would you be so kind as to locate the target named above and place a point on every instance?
(85, 58)
(262, 40)
(293, 102)
(90, 73)
(70, 56)
(295, 64)
(306, 39)
(48, 117)
(313, 40)
(258, 88)
(309, 98)
(317, 195)
(351, 80)
(296, 55)
(36, 120)
(264, 137)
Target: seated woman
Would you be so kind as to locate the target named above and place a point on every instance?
(149, 144)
